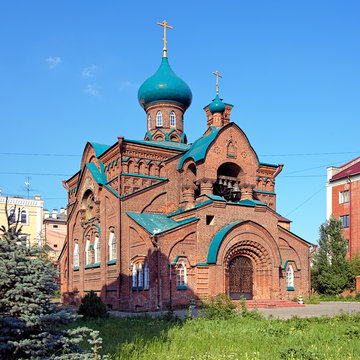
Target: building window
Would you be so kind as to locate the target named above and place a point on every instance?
(149, 122)
(344, 197)
(172, 119)
(290, 278)
(146, 276)
(87, 252)
(23, 217)
(76, 255)
(140, 277)
(112, 246)
(159, 121)
(134, 277)
(97, 250)
(12, 216)
(181, 281)
(345, 221)
(55, 226)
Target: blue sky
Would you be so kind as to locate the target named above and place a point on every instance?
(70, 71)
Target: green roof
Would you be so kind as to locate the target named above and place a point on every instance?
(198, 149)
(157, 223)
(99, 148)
(216, 241)
(100, 177)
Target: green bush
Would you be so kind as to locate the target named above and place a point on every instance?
(219, 307)
(92, 306)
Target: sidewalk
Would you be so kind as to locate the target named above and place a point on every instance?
(322, 309)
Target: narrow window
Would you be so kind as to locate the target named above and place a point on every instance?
(172, 119)
(159, 121)
(87, 252)
(290, 278)
(209, 219)
(343, 197)
(97, 249)
(12, 216)
(140, 277)
(76, 254)
(23, 217)
(112, 246)
(181, 281)
(146, 276)
(149, 122)
(134, 277)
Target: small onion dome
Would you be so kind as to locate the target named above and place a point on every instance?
(217, 106)
(164, 85)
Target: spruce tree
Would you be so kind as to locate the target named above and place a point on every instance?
(330, 269)
(29, 321)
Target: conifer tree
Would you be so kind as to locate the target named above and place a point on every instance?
(29, 321)
(330, 269)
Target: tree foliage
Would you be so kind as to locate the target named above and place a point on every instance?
(29, 321)
(330, 269)
(92, 306)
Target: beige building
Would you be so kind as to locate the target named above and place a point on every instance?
(29, 213)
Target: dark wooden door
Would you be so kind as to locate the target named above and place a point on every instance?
(241, 278)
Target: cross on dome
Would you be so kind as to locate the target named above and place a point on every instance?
(165, 25)
(217, 74)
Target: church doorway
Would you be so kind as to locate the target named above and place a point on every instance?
(241, 278)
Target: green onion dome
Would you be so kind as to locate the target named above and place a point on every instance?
(164, 85)
(217, 106)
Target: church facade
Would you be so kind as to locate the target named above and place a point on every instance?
(159, 221)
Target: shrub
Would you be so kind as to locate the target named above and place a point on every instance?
(92, 306)
(219, 307)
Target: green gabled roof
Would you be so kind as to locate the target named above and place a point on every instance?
(216, 241)
(100, 177)
(249, 202)
(157, 223)
(198, 149)
(173, 145)
(99, 148)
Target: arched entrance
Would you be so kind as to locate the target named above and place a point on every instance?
(241, 278)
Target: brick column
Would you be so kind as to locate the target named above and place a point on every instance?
(206, 186)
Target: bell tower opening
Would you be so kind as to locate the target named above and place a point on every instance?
(227, 182)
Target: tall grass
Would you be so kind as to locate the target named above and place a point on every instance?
(233, 338)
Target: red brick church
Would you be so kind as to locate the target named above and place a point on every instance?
(159, 220)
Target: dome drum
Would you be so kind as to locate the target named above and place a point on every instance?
(166, 108)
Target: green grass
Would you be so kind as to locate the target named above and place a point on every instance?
(236, 338)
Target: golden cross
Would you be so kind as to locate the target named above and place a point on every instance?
(165, 25)
(217, 80)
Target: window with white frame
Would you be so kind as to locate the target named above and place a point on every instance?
(146, 276)
(76, 255)
(159, 121)
(149, 122)
(134, 277)
(12, 216)
(181, 281)
(24, 216)
(290, 278)
(97, 250)
(112, 246)
(87, 252)
(172, 119)
(344, 196)
(140, 277)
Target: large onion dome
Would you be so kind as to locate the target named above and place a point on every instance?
(164, 85)
(217, 106)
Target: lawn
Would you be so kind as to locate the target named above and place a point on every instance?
(236, 338)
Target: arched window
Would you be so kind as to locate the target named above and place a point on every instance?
(23, 216)
(149, 122)
(146, 276)
(97, 250)
(181, 281)
(112, 246)
(159, 121)
(140, 277)
(172, 119)
(12, 216)
(87, 252)
(76, 255)
(134, 277)
(290, 278)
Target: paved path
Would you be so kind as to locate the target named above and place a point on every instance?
(322, 309)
